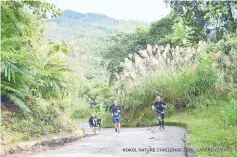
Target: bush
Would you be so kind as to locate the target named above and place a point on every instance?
(78, 113)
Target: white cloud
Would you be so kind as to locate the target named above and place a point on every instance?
(143, 10)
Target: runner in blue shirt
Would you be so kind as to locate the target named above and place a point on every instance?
(116, 111)
(160, 110)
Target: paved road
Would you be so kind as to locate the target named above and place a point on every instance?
(108, 143)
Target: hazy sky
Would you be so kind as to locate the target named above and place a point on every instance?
(143, 10)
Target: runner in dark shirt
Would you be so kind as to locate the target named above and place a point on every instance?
(160, 110)
(91, 121)
(116, 111)
(99, 122)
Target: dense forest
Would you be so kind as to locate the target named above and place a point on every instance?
(54, 62)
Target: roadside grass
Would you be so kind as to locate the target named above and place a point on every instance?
(209, 130)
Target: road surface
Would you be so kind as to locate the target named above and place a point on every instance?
(130, 142)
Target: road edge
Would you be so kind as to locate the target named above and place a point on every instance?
(189, 151)
(43, 143)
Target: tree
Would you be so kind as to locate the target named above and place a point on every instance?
(50, 70)
(141, 37)
(20, 31)
(122, 44)
(182, 34)
(206, 16)
(220, 16)
(160, 29)
(42, 9)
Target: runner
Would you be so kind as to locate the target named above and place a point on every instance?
(99, 122)
(116, 111)
(160, 110)
(91, 121)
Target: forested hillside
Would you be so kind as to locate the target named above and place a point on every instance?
(85, 35)
(92, 27)
(35, 77)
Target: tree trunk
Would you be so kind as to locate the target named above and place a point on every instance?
(233, 23)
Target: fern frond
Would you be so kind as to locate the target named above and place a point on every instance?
(7, 87)
(18, 102)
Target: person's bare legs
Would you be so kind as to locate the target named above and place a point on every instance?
(163, 123)
(163, 120)
(118, 127)
(159, 121)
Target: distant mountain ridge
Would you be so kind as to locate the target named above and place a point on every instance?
(90, 26)
(74, 14)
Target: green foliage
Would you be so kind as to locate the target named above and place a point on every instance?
(83, 92)
(221, 14)
(181, 35)
(231, 40)
(86, 62)
(16, 27)
(51, 70)
(229, 114)
(212, 125)
(43, 9)
(19, 103)
(122, 44)
(23, 61)
(33, 73)
(160, 29)
(192, 16)
(14, 55)
(78, 113)
(207, 18)
(49, 117)
(141, 36)
(91, 27)
(206, 76)
(226, 55)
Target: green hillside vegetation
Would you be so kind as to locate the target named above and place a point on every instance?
(34, 74)
(85, 35)
(91, 27)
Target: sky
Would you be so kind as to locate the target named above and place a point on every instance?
(142, 10)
